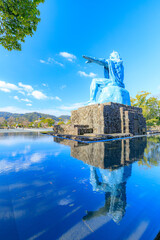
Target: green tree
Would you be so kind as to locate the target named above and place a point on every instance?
(60, 123)
(2, 122)
(149, 105)
(18, 19)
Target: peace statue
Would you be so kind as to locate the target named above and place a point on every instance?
(110, 88)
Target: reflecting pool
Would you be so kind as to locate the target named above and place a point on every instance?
(52, 188)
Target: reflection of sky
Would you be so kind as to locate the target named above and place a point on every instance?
(45, 193)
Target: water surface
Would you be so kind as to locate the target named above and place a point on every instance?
(58, 189)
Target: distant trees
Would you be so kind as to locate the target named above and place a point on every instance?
(11, 122)
(44, 123)
(150, 106)
(18, 19)
(60, 123)
(30, 120)
(3, 122)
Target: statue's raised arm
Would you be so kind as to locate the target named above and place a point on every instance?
(110, 88)
(100, 61)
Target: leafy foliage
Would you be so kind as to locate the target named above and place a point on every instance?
(60, 123)
(18, 19)
(152, 152)
(150, 107)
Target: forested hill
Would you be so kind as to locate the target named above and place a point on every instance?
(33, 116)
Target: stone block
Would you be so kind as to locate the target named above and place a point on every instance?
(105, 118)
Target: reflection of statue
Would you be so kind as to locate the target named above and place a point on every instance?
(110, 168)
(113, 183)
(111, 87)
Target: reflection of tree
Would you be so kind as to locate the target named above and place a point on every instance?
(151, 153)
(113, 183)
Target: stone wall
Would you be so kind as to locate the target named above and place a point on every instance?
(91, 115)
(106, 118)
(111, 118)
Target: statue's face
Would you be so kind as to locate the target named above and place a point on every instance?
(115, 56)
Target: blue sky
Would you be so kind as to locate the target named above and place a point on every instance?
(49, 75)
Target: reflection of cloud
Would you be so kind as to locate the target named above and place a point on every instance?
(37, 157)
(65, 201)
(19, 213)
(36, 236)
(56, 154)
(25, 151)
(21, 164)
(11, 140)
(138, 233)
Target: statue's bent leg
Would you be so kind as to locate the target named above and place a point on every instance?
(93, 90)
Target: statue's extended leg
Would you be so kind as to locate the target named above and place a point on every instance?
(93, 91)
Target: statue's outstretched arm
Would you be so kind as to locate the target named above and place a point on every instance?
(100, 61)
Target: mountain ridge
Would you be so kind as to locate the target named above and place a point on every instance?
(33, 116)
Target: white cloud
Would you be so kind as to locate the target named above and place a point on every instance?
(50, 61)
(42, 61)
(22, 92)
(73, 106)
(38, 95)
(16, 97)
(27, 88)
(44, 84)
(5, 90)
(29, 104)
(26, 100)
(62, 87)
(13, 109)
(83, 74)
(22, 88)
(56, 98)
(7, 87)
(70, 57)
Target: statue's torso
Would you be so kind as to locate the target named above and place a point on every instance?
(114, 71)
(118, 70)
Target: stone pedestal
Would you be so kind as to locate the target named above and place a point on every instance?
(105, 118)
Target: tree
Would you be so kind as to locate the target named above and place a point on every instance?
(18, 19)
(149, 105)
(60, 123)
(2, 122)
(11, 121)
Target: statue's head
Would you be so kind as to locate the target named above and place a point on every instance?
(115, 56)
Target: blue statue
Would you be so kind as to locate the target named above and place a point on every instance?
(110, 88)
